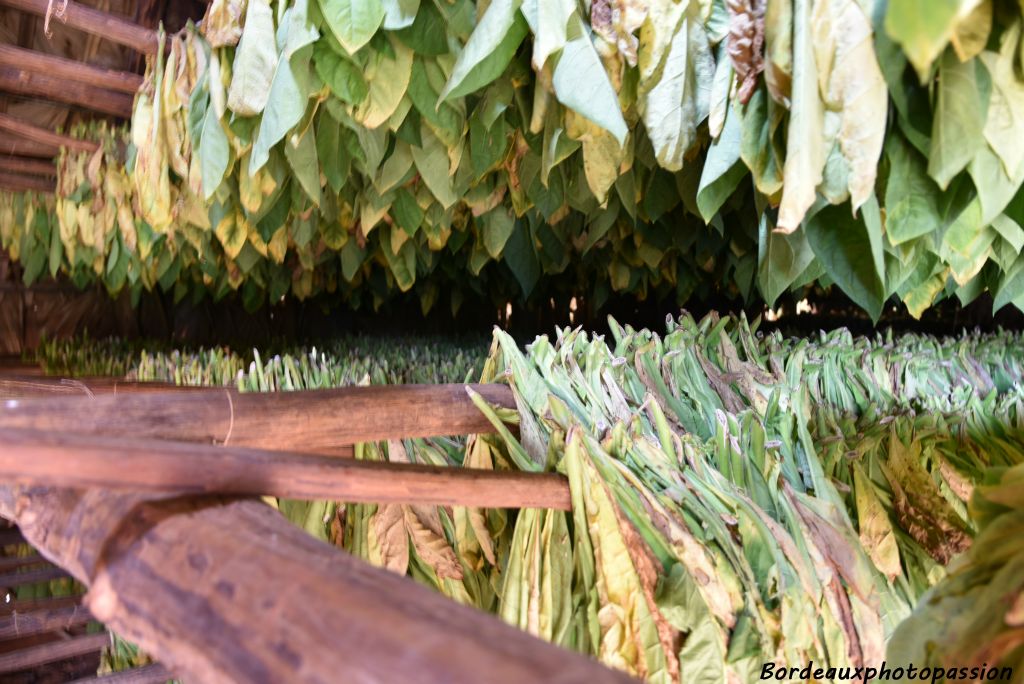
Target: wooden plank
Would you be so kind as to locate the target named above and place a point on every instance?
(18, 625)
(231, 592)
(20, 182)
(36, 84)
(30, 605)
(34, 656)
(43, 136)
(316, 420)
(68, 460)
(148, 674)
(22, 577)
(31, 60)
(95, 22)
(12, 385)
(28, 165)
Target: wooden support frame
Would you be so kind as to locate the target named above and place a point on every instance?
(231, 591)
(21, 182)
(21, 147)
(33, 576)
(37, 84)
(18, 625)
(59, 67)
(42, 136)
(34, 656)
(95, 22)
(147, 674)
(47, 458)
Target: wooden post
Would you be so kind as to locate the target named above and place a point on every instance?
(231, 592)
(37, 84)
(313, 420)
(58, 67)
(94, 22)
(49, 458)
(27, 131)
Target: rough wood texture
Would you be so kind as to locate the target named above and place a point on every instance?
(27, 131)
(39, 84)
(27, 148)
(18, 625)
(231, 592)
(23, 577)
(149, 674)
(20, 182)
(34, 656)
(12, 386)
(95, 22)
(38, 62)
(29, 605)
(315, 420)
(53, 458)
(28, 165)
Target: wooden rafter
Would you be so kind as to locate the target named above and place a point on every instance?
(51, 65)
(95, 22)
(27, 165)
(21, 182)
(35, 84)
(22, 147)
(43, 136)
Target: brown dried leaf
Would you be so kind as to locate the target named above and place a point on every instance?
(746, 43)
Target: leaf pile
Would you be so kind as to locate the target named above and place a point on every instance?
(367, 147)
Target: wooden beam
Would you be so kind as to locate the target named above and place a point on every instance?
(312, 420)
(11, 537)
(29, 605)
(230, 591)
(52, 65)
(24, 82)
(8, 563)
(18, 386)
(34, 656)
(22, 577)
(15, 146)
(66, 460)
(27, 165)
(43, 136)
(35, 622)
(21, 183)
(95, 22)
(148, 674)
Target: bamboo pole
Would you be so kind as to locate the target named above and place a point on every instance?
(59, 67)
(232, 592)
(94, 22)
(27, 165)
(66, 460)
(36, 84)
(313, 420)
(27, 131)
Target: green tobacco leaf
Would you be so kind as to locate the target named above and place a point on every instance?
(427, 36)
(851, 251)
(959, 117)
(497, 225)
(388, 77)
(923, 28)
(723, 169)
(400, 14)
(353, 22)
(521, 257)
(781, 260)
(289, 91)
(302, 157)
(911, 196)
(255, 61)
(495, 39)
(214, 153)
(344, 78)
(582, 84)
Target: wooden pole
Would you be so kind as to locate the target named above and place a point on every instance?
(21, 183)
(35, 622)
(22, 577)
(95, 22)
(58, 67)
(52, 458)
(34, 656)
(312, 420)
(148, 674)
(232, 592)
(41, 135)
(37, 84)
(27, 148)
(27, 165)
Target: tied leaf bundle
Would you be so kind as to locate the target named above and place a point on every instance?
(365, 148)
